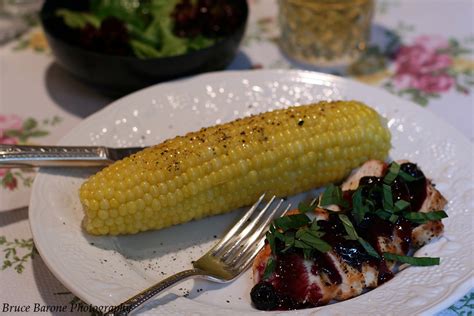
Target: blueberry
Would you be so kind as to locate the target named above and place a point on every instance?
(264, 296)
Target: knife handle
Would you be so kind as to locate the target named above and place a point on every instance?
(20, 156)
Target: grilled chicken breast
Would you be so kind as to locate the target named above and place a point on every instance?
(346, 270)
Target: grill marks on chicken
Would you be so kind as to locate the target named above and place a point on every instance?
(347, 270)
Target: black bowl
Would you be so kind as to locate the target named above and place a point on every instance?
(119, 75)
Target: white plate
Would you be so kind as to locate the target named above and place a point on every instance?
(106, 270)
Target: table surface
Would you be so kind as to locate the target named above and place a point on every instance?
(432, 65)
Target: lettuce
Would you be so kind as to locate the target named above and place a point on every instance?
(149, 24)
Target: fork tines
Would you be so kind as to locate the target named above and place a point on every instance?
(240, 245)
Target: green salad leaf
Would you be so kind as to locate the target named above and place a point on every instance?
(144, 50)
(149, 24)
(199, 42)
(78, 20)
(171, 44)
(129, 12)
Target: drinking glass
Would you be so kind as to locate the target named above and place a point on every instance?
(325, 33)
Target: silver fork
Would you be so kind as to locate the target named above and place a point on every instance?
(18, 156)
(225, 261)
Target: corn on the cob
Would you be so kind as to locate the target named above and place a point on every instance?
(226, 166)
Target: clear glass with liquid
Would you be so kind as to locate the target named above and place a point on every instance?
(325, 33)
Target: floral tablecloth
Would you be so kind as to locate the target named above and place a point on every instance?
(420, 50)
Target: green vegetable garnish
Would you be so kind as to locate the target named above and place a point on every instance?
(414, 261)
(350, 230)
(333, 195)
(352, 235)
(315, 226)
(289, 240)
(383, 214)
(393, 218)
(387, 197)
(291, 221)
(395, 171)
(307, 238)
(271, 241)
(392, 173)
(305, 208)
(296, 231)
(269, 268)
(401, 205)
(358, 208)
(420, 218)
(368, 247)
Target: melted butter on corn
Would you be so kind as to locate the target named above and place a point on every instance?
(226, 166)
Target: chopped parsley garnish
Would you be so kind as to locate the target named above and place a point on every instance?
(395, 171)
(289, 240)
(291, 221)
(421, 218)
(271, 241)
(392, 173)
(333, 195)
(368, 247)
(296, 231)
(383, 214)
(305, 208)
(393, 218)
(303, 231)
(350, 230)
(310, 239)
(314, 225)
(352, 235)
(269, 268)
(414, 261)
(401, 205)
(359, 208)
(387, 197)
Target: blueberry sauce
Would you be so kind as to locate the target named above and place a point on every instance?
(416, 188)
(322, 263)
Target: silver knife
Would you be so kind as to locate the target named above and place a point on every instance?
(19, 156)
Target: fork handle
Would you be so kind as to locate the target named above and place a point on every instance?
(129, 305)
(20, 156)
